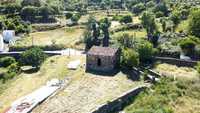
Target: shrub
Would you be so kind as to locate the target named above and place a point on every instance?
(159, 14)
(129, 58)
(198, 67)
(146, 51)
(34, 57)
(116, 18)
(194, 23)
(68, 15)
(188, 46)
(7, 61)
(52, 47)
(14, 68)
(126, 19)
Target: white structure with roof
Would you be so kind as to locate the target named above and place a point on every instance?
(8, 35)
(1, 43)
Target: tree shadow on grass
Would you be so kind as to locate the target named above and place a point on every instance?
(101, 73)
(131, 74)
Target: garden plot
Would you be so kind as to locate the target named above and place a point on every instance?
(86, 92)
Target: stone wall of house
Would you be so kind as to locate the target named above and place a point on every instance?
(107, 63)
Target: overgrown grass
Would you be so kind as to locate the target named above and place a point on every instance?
(168, 96)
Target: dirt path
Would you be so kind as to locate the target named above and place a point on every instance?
(86, 92)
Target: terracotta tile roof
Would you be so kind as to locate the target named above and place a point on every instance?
(102, 51)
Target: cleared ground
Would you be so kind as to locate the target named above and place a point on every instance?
(66, 36)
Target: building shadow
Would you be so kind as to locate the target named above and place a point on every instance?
(104, 73)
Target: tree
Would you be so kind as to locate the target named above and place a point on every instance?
(138, 8)
(162, 7)
(34, 57)
(11, 9)
(7, 61)
(125, 40)
(75, 18)
(146, 51)
(176, 18)
(28, 13)
(36, 3)
(126, 19)
(45, 12)
(105, 24)
(194, 23)
(148, 22)
(188, 46)
(129, 58)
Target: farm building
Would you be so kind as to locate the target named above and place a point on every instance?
(103, 59)
(8, 35)
(1, 43)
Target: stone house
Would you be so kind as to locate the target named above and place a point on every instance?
(102, 59)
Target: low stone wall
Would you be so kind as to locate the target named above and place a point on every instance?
(120, 102)
(177, 62)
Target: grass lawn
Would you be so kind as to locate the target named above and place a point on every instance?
(66, 36)
(54, 67)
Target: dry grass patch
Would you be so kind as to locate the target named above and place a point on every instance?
(54, 67)
(66, 36)
(174, 71)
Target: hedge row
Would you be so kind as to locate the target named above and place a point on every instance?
(44, 48)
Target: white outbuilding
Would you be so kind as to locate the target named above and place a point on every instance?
(1, 43)
(8, 35)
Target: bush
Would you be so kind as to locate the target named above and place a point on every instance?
(126, 19)
(34, 57)
(188, 46)
(68, 15)
(75, 18)
(7, 61)
(198, 67)
(129, 58)
(14, 68)
(116, 18)
(53, 47)
(159, 14)
(194, 23)
(146, 51)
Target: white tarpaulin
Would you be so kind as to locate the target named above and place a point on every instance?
(27, 103)
(74, 64)
(1, 43)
